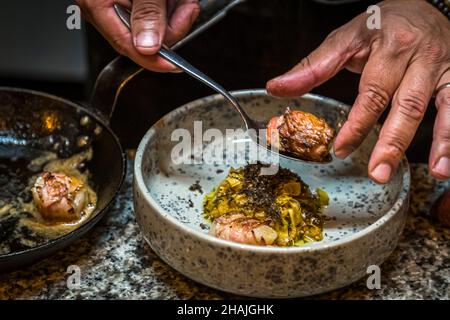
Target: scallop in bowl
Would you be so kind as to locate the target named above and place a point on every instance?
(191, 150)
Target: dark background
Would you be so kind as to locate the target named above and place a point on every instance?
(255, 42)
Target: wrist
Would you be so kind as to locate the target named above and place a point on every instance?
(442, 5)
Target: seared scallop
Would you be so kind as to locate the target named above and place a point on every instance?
(301, 134)
(239, 228)
(59, 197)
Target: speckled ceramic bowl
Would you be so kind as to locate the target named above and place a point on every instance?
(366, 218)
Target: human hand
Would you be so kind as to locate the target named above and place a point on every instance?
(402, 63)
(153, 22)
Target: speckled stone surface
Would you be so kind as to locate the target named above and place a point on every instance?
(116, 262)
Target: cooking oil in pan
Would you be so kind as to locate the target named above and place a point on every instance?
(21, 226)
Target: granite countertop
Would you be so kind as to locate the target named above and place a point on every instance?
(116, 262)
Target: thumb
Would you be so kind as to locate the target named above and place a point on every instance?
(148, 25)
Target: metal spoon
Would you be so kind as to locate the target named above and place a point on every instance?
(253, 126)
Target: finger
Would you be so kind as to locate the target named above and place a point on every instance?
(439, 161)
(408, 108)
(322, 64)
(148, 25)
(181, 20)
(379, 80)
(105, 20)
(441, 209)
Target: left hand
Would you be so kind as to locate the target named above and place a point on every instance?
(402, 63)
(153, 22)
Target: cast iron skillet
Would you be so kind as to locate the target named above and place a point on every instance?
(31, 120)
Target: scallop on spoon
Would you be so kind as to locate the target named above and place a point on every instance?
(254, 128)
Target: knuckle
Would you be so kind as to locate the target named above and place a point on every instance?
(435, 51)
(401, 39)
(147, 11)
(412, 106)
(394, 146)
(358, 129)
(404, 37)
(377, 99)
(442, 135)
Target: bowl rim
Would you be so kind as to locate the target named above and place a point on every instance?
(310, 247)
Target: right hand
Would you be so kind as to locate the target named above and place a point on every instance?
(401, 66)
(153, 22)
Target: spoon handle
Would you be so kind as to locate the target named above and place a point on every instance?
(178, 61)
(175, 59)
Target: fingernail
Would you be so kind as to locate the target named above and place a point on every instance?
(176, 70)
(273, 87)
(382, 173)
(343, 153)
(147, 39)
(442, 167)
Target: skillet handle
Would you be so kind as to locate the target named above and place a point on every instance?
(115, 76)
